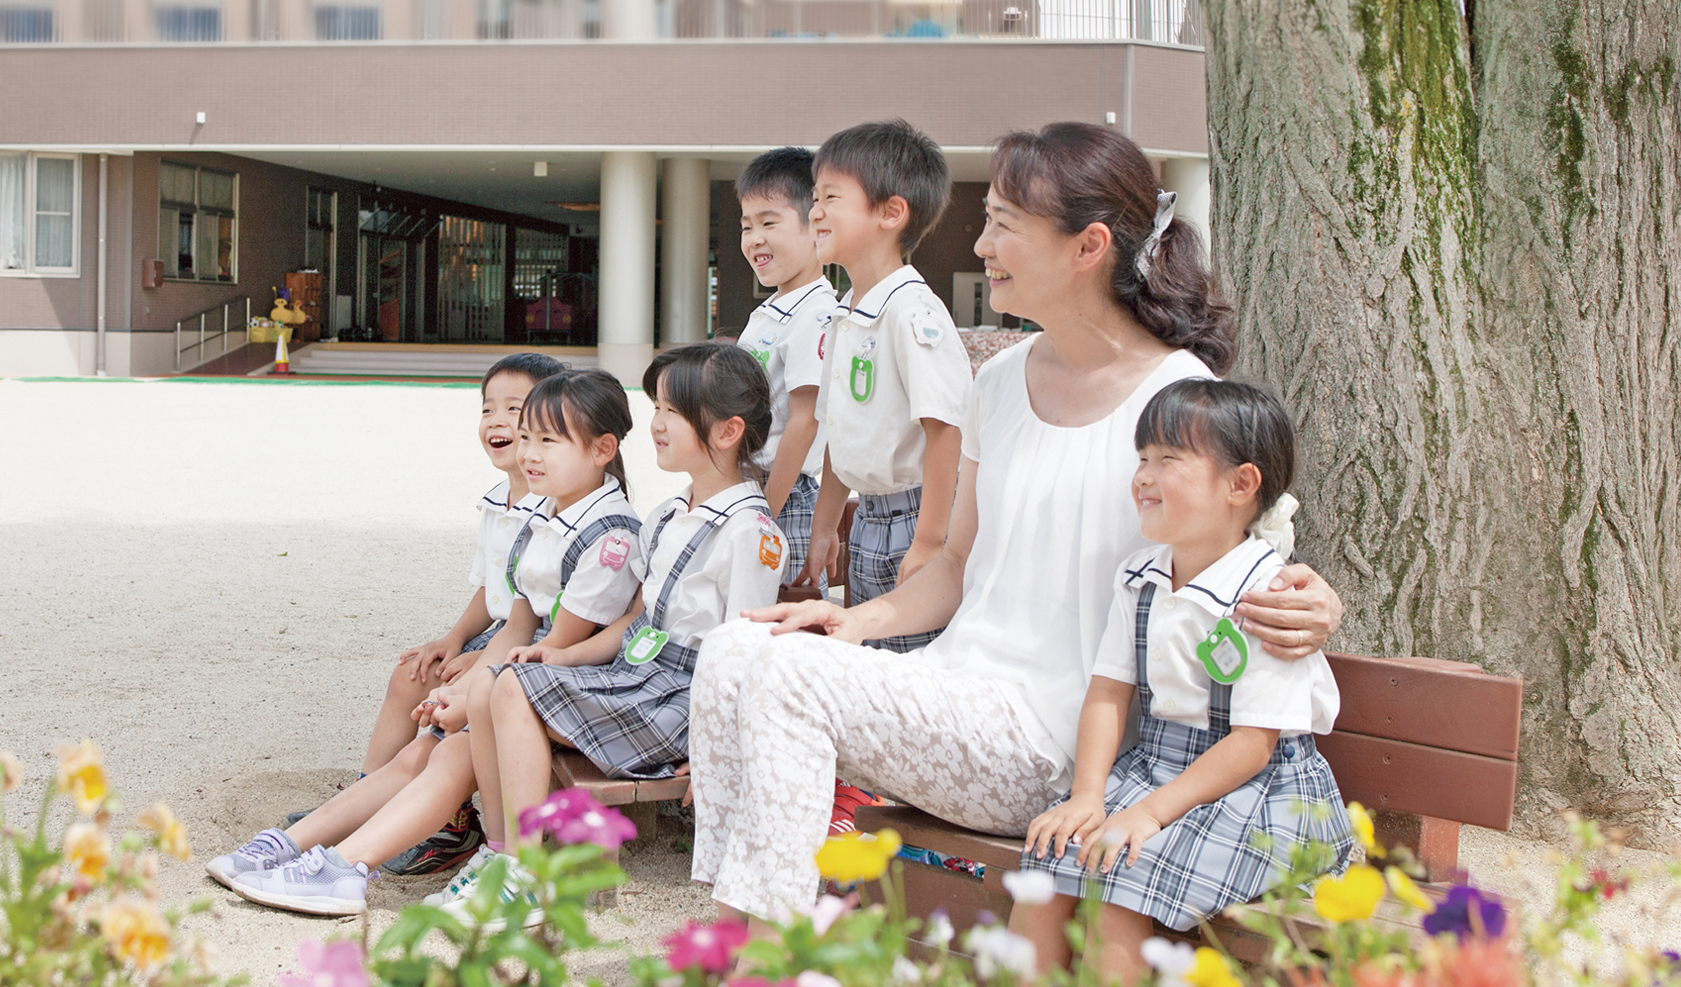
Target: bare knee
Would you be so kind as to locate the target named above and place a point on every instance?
(407, 690)
(411, 760)
(507, 695)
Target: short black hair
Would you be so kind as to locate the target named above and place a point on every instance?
(891, 158)
(708, 383)
(534, 365)
(1229, 422)
(782, 175)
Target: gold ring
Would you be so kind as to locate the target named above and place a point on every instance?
(1301, 637)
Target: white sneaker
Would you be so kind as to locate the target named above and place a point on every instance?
(321, 882)
(267, 850)
(517, 886)
(464, 879)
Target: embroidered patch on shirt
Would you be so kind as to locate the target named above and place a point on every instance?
(770, 551)
(820, 341)
(926, 328)
(614, 552)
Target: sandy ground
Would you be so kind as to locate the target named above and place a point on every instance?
(211, 580)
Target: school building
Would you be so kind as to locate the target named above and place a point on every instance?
(437, 181)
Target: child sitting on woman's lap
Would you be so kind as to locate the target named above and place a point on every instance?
(1224, 784)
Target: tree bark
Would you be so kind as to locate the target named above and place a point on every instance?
(1455, 245)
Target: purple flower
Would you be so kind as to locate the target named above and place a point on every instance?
(710, 947)
(1466, 913)
(336, 964)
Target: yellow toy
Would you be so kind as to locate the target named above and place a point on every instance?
(286, 314)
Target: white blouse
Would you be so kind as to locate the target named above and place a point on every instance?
(604, 581)
(499, 525)
(738, 568)
(1056, 520)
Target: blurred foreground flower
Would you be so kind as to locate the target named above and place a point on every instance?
(335, 964)
(996, 948)
(138, 932)
(1211, 970)
(11, 772)
(87, 849)
(81, 775)
(1171, 960)
(824, 912)
(1350, 898)
(1406, 892)
(1030, 887)
(573, 816)
(172, 833)
(1466, 913)
(710, 947)
(852, 857)
(1364, 829)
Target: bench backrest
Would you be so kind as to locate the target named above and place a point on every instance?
(1426, 736)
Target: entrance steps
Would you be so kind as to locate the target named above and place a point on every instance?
(419, 360)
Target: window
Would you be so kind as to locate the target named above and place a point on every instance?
(346, 23)
(178, 23)
(26, 25)
(197, 222)
(38, 211)
(320, 216)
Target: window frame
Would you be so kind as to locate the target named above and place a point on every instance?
(198, 209)
(30, 227)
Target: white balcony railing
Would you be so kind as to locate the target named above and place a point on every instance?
(198, 21)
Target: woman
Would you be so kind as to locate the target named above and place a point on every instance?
(979, 727)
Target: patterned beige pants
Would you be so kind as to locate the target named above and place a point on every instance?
(774, 720)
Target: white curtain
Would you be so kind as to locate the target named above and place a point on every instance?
(11, 212)
(55, 194)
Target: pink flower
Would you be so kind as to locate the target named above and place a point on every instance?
(824, 912)
(336, 964)
(606, 828)
(710, 947)
(558, 809)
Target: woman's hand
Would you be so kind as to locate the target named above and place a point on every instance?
(817, 615)
(1295, 615)
(1124, 832)
(1072, 821)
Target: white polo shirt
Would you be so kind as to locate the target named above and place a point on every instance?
(499, 524)
(920, 369)
(1292, 697)
(604, 580)
(738, 568)
(783, 335)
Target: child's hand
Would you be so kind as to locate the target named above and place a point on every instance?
(822, 556)
(455, 666)
(422, 714)
(1073, 821)
(538, 654)
(1124, 832)
(427, 654)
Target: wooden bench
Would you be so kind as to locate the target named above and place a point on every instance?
(1427, 744)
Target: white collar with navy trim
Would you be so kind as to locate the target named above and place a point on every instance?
(718, 508)
(496, 498)
(866, 312)
(1216, 588)
(783, 306)
(573, 516)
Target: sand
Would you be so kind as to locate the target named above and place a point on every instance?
(212, 580)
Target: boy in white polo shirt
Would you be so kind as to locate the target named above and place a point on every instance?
(784, 335)
(896, 376)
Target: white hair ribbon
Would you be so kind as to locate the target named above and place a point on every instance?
(1164, 216)
(1274, 527)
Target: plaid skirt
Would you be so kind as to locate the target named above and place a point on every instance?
(631, 720)
(1220, 853)
(882, 530)
(795, 522)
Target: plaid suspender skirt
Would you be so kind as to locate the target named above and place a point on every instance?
(1219, 853)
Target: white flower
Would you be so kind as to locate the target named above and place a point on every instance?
(996, 949)
(1030, 887)
(811, 978)
(824, 912)
(939, 931)
(905, 972)
(1170, 959)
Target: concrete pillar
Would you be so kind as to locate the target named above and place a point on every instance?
(1189, 177)
(685, 236)
(626, 339)
(629, 20)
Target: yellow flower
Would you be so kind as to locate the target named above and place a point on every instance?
(81, 773)
(853, 857)
(137, 932)
(11, 772)
(1364, 830)
(87, 849)
(1349, 898)
(1210, 970)
(172, 833)
(1406, 892)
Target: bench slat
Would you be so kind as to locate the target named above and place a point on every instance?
(918, 828)
(1426, 781)
(577, 771)
(1446, 704)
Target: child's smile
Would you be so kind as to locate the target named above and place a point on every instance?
(504, 397)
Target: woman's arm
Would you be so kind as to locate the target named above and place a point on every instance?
(1211, 777)
(1295, 615)
(925, 602)
(1102, 727)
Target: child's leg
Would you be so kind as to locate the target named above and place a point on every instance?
(1123, 932)
(358, 803)
(395, 727)
(1045, 926)
(419, 809)
(482, 739)
(522, 748)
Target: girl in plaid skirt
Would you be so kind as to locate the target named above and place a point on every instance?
(1224, 789)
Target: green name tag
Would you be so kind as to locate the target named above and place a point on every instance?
(646, 646)
(554, 611)
(863, 379)
(1223, 652)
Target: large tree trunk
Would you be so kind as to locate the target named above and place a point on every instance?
(1455, 244)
